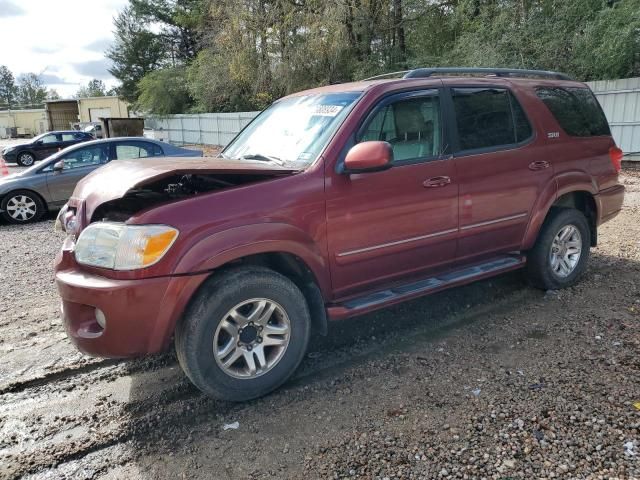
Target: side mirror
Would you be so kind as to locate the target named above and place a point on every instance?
(58, 166)
(373, 156)
(38, 142)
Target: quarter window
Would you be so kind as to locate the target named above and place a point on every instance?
(411, 126)
(576, 110)
(137, 150)
(489, 117)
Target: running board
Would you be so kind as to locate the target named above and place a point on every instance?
(396, 294)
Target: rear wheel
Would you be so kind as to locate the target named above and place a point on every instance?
(560, 254)
(22, 206)
(244, 333)
(26, 159)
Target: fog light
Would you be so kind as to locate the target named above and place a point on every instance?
(100, 318)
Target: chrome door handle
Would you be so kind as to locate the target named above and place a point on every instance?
(432, 182)
(539, 165)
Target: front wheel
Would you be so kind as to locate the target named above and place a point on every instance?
(244, 333)
(560, 254)
(22, 206)
(26, 159)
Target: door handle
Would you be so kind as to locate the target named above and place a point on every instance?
(539, 165)
(432, 182)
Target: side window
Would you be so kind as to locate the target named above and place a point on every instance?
(49, 139)
(84, 157)
(411, 126)
(68, 137)
(134, 150)
(576, 110)
(489, 117)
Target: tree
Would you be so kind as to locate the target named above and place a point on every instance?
(136, 52)
(52, 94)
(95, 88)
(31, 92)
(7, 87)
(164, 92)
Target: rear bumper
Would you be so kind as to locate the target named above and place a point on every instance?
(140, 314)
(609, 203)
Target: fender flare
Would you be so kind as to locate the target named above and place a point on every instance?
(220, 248)
(559, 185)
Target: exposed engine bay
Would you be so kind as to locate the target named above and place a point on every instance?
(169, 189)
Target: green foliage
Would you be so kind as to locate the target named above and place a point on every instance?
(164, 92)
(241, 54)
(7, 87)
(31, 92)
(95, 88)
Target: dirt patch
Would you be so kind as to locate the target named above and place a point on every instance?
(492, 380)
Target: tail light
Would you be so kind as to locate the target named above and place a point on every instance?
(616, 156)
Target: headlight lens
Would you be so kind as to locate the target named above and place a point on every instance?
(8, 150)
(123, 247)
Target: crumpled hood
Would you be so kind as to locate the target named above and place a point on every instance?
(118, 177)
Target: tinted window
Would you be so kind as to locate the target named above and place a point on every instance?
(84, 157)
(137, 150)
(489, 117)
(411, 126)
(576, 110)
(49, 139)
(68, 137)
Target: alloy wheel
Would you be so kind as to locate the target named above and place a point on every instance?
(251, 338)
(22, 208)
(566, 250)
(27, 159)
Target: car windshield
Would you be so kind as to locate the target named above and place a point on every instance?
(293, 131)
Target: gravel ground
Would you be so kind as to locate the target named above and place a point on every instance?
(492, 380)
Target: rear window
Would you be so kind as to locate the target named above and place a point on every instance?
(489, 118)
(576, 110)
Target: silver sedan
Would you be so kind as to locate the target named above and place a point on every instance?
(27, 195)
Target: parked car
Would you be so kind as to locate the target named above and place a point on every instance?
(42, 147)
(94, 129)
(334, 202)
(27, 195)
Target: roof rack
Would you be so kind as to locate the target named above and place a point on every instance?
(497, 72)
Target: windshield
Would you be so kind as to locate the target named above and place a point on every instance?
(293, 131)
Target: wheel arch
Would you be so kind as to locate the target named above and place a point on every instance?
(581, 199)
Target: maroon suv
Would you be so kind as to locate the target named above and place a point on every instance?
(331, 203)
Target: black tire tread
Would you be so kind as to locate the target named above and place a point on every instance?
(538, 273)
(224, 284)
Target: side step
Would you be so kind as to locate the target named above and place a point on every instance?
(396, 294)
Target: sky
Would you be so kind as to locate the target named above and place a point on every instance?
(62, 40)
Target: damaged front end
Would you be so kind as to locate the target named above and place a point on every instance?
(122, 189)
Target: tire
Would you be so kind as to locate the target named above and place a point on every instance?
(22, 206)
(26, 159)
(205, 337)
(551, 266)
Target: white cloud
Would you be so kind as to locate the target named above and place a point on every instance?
(66, 40)
(10, 9)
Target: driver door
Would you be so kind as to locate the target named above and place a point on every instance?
(77, 164)
(384, 226)
(47, 145)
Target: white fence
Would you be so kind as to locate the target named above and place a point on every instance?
(620, 100)
(202, 129)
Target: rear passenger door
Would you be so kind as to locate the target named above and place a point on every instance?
(501, 169)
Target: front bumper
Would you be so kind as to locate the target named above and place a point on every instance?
(140, 314)
(11, 157)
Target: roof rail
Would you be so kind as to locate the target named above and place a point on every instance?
(399, 74)
(498, 72)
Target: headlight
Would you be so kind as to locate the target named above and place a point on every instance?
(123, 247)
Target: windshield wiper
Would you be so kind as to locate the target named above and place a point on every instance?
(262, 158)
